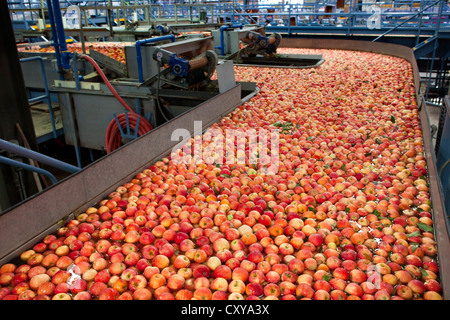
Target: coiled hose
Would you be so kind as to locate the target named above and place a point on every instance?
(113, 138)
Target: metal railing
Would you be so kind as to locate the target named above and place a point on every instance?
(294, 18)
(46, 95)
(27, 153)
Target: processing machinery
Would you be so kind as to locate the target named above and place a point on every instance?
(249, 45)
(261, 50)
(164, 79)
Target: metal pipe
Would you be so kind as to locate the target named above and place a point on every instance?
(25, 166)
(11, 147)
(222, 41)
(55, 37)
(65, 54)
(139, 55)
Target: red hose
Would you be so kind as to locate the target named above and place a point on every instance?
(113, 138)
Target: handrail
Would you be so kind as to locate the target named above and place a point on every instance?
(28, 167)
(291, 10)
(24, 152)
(410, 18)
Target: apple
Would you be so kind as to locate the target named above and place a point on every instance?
(200, 256)
(77, 285)
(433, 285)
(219, 295)
(116, 257)
(131, 259)
(357, 276)
(240, 273)
(64, 262)
(338, 295)
(4, 292)
(62, 296)
(61, 288)
(223, 271)
(160, 261)
(221, 244)
(321, 295)
(82, 295)
(38, 280)
(404, 292)
(97, 287)
(27, 295)
(236, 244)
(6, 278)
(354, 289)
(201, 271)
(213, 262)
(175, 282)
(432, 295)
(184, 294)
(417, 286)
(271, 276)
(157, 280)
(403, 276)
(201, 282)
(224, 255)
(23, 268)
(310, 264)
(128, 274)
(255, 289)
(236, 286)
(108, 294)
(287, 288)
(431, 265)
(202, 293)
(19, 278)
(304, 290)
(167, 249)
(219, 284)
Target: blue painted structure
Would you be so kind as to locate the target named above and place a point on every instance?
(24, 152)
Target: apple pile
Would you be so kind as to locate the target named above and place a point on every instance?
(114, 50)
(346, 217)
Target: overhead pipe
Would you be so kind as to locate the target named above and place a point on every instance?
(222, 41)
(138, 45)
(24, 152)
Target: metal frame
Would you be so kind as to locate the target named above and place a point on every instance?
(308, 18)
(46, 95)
